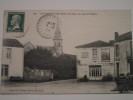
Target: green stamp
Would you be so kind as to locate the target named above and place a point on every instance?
(15, 22)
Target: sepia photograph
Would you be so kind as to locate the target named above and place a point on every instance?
(67, 52)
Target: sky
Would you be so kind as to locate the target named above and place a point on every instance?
(77, 27)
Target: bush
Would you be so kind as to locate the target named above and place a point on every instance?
(107, 78)
(15, 79)
(84, 79)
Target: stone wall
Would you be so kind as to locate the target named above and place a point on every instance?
(37, 75)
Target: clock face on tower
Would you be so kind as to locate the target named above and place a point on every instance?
(46, 26)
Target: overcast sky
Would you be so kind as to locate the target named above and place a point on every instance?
(77, 27)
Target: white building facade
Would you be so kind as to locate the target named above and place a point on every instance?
(12, 59)
(123, 53)
(95, 60)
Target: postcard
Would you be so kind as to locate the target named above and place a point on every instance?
(67, 52)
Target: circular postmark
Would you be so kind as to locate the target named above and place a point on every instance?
(46, 26)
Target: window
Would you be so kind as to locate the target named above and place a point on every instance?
(95, 71)
(85, 55)
(131, 48)
(4, 70)
(57, 44)
(117, 50)
(105, 54)
(8, 53)
(28, 47)
(94, 54)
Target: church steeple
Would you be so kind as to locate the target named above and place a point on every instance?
(58, 40)
(57, 32)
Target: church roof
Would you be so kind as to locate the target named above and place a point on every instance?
(98, 43)
(123, 37)
(45, 47)
(28, 43)
(12, 43)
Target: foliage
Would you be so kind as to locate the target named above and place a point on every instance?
(64, 66)
(39, 58)
(15, 79)
(107, 78)
(84, 79)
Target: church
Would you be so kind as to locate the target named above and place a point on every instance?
(56, 49)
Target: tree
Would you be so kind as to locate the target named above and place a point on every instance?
(64, 66)
(39, 58)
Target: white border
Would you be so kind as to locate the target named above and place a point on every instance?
(64, 4)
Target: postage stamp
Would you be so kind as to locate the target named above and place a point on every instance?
(15, 22)
(67, 51)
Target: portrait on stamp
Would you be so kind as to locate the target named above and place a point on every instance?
(15, 22)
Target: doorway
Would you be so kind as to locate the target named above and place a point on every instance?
(117, 69)
(131, 67)
(95, 72)
(4, 72)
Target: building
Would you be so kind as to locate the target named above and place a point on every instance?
(58, 41)
(12, 59)
(56, 49)
(123, 53)
(95, 60)
(28, 46)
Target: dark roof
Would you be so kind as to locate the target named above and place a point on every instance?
(12, 43)
(123, 37)
(98, 43)
(28, 43)
(69, 56)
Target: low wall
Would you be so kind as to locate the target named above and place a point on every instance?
(37, 75)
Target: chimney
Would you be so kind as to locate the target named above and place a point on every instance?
(116, 35)
(111, 42)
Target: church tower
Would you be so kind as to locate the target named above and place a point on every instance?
(58, 40)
